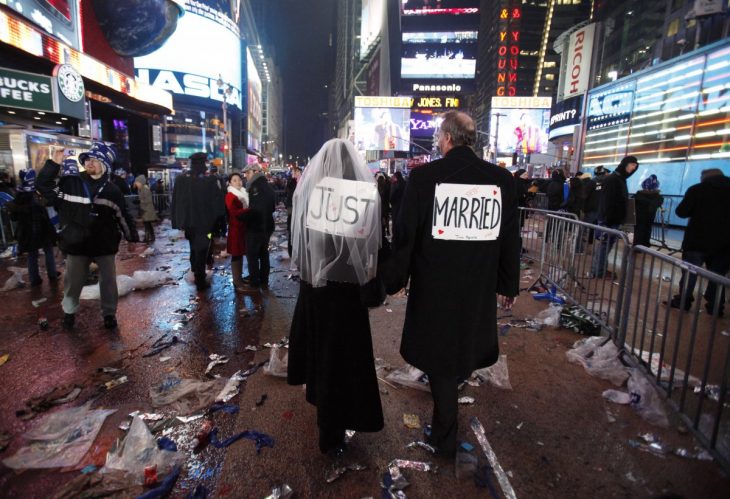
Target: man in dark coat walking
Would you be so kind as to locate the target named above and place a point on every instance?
(612, 211)
(197, 203)
(259, 226)
(458, 242)
(705, 242)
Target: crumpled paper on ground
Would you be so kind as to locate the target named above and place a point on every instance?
(598, 359)
(185, 396)
(496, 375)
(139, 450)
(61, 439)
(141, 279)
(411, 377)
(15, 280)
(278, 361)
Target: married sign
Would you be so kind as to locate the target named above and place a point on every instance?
(342, 207)
(463, 212)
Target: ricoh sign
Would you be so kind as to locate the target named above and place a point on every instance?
(577, 73)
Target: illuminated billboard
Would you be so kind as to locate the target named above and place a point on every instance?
(254, 104)
(205, 44)
(60, 18)
(439, 55)
(425, 124)
(440, 7)
(371, 24)
(382, 123)
(520, 124)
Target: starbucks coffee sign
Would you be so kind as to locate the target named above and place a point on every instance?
(26, 90)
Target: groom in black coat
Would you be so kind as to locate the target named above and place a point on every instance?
(457, 239)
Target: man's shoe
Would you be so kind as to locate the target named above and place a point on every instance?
(676, 302)
(711, 310)
(37, 282)
(68, 321)
(110, 322)
(55, 277)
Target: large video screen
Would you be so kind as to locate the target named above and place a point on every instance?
(255, 112)
(382, 129)
(424, 125)
(524, 131)
(439, 55)
(371, 23)
(57, 17)
(439, 7)
(205, 44)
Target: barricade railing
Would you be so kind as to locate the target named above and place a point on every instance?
(684, 350)
(533, 222)
(586, 263)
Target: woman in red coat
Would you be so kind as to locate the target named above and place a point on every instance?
(237, 206)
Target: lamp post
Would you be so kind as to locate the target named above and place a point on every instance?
(226, 89)
(496, 135)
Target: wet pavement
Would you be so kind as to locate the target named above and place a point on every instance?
(552, 433)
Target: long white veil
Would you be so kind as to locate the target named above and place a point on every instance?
(335, 227)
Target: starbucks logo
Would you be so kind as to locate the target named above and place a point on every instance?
(70, 82)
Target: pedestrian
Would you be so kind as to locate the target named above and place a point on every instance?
(574, 202)
(592, 190)
(291, 186)
(397, 189)
(220, 226)
(34, 229)
(555, 190)
(237, 207)
(384, 191)
(118, 177)
(458, 262)
(647, 202)
(705, 242)
(259, 226)
(335, 249)
(612, 211)
(146, 208)
(92, 215)
(197, 204)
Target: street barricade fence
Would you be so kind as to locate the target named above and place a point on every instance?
(628, 290)
(533, 223)
(685, 353)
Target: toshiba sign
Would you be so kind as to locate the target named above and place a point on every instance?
(577, 72)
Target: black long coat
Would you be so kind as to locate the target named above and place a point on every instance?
(330, 349)
(450, 327)
(197, 203)
(34, 229)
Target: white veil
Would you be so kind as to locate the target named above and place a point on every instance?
(335, 226)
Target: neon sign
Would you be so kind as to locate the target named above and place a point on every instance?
(508, 51)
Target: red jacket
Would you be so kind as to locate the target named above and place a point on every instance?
(236, 245)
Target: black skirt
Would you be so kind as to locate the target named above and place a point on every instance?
(331, 350)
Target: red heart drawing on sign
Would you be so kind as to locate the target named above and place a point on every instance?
(361, 231)
(440, 232)
(494, 192)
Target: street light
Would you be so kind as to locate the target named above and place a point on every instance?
(227, 90)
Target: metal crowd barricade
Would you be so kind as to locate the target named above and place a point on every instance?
(532, 230)
(539, 201)
(588, 274)
(685, 351)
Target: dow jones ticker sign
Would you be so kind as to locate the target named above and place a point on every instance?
(25, 90)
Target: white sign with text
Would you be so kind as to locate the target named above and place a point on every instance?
(463, 212)
(342, 207)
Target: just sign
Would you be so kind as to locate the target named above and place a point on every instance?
(342, 207)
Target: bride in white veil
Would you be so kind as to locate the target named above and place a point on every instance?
(336, 218)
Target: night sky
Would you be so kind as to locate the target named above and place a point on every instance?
(301, 40)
